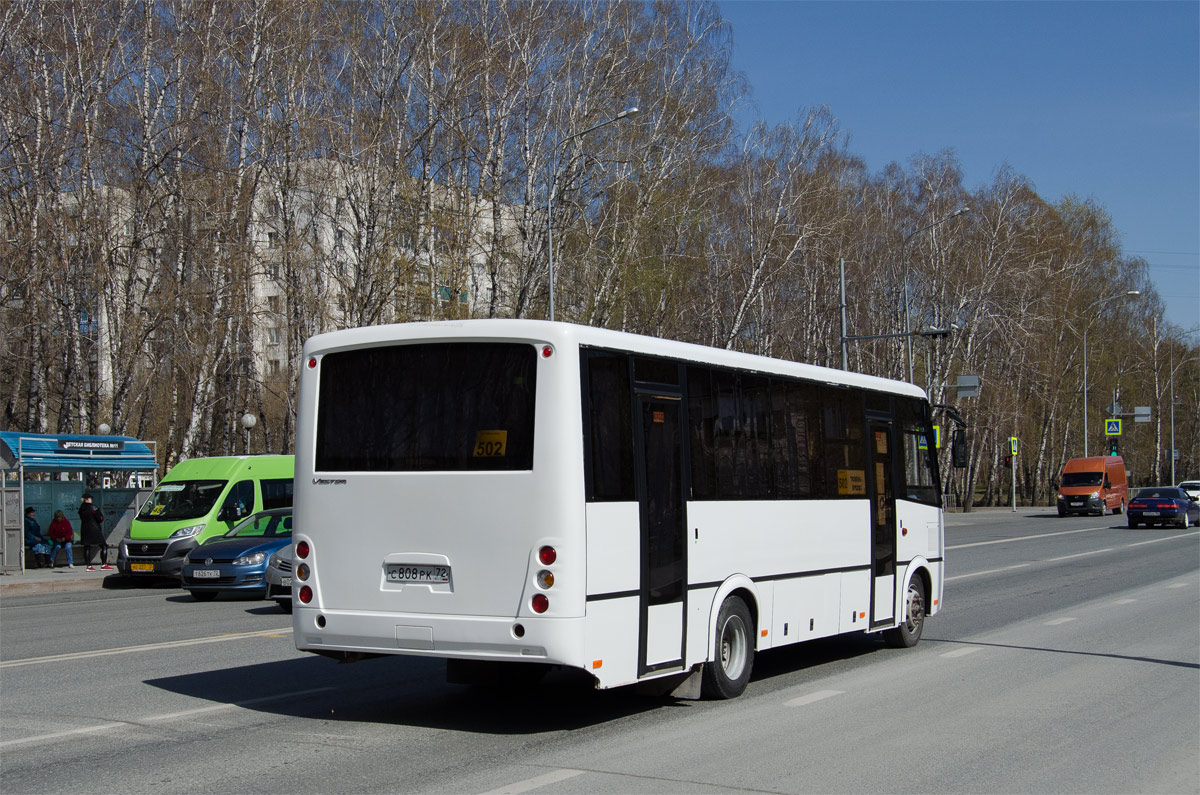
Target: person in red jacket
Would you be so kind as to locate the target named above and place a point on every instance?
(61, 533)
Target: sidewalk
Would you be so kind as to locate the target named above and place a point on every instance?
(59, 580)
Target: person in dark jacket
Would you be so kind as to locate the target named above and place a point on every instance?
(90, 533)
(38, 544)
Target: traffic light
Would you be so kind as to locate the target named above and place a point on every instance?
(1008, 460)
(1112, 447)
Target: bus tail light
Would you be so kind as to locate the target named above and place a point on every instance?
(302, 572)
(302, 549)
(306, 594)
(547, 555)
(545, 579)
(539, 603)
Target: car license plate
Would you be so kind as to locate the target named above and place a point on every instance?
(404, 572)
(1150, 513)
(141, 567)
(206, 574)
(1076, 504)
(286, 582)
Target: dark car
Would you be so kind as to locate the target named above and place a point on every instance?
(237, 561)
(1163, 505)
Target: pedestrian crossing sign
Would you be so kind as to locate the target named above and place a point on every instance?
(1112, 427)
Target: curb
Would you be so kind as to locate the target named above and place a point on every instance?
(65, 585)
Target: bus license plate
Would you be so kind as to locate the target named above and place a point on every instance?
(206, 574)
(404, 572)
(141, 567)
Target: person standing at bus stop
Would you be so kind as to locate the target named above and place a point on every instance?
(91, 534)
(61, 533)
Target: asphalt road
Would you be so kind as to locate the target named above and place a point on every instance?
(1067, 659)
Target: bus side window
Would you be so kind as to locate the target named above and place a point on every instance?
(610, 429)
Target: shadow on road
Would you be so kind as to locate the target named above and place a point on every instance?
(412, 691)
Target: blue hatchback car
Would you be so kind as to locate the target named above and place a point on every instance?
(237, 561)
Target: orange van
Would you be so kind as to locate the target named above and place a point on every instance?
(1093, 485)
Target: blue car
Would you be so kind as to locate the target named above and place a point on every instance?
(237, 561)
(1163, 505)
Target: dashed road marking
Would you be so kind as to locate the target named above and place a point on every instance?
(819, 695)
(963, 652)
(1056, 621)
(161, 717)
(536, 782)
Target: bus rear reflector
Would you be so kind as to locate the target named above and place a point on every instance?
(540, 603)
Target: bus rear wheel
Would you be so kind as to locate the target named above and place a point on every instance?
(727, 675)
(909, 632)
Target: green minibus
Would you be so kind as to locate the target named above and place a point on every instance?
(198, 499)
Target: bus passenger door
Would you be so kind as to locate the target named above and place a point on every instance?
(659, 439)
(883, 523)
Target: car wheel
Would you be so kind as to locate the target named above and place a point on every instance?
(1132, 524)
(1061, 512)
(909, 632)
(203, 596)
(727, 675)
(1120, 508)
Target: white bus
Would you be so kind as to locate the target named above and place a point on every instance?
(522, 491)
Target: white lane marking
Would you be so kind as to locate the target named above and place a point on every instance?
(1024, 538)
(1165, 538)
(1078, 555)
(819, 695)
(164, 716)
(77, 601)
(1056, 621)
(1124, 601)
(171, 644)
(1178, 585)
(537, 781)
(989, 571)
(963, 652)
(1068, 557)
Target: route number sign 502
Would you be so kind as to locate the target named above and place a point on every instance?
(490, 444)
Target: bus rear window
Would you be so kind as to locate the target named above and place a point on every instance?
(427, 407)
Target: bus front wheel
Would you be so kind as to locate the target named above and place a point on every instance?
(727, 675)
(909, 632)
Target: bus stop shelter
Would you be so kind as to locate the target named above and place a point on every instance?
(49, 472)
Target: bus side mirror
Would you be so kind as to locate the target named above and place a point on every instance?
(958, 448)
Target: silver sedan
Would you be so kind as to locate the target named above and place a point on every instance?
(279, 578)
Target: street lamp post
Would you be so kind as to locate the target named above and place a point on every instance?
(933, 333)
(248, 422)
(628, 113)
(1091, 306)
(907, 314)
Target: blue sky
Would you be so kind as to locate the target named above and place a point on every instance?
(1096, 99)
